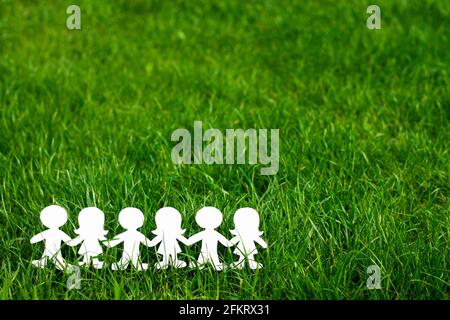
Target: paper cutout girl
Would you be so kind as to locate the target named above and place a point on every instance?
(209, 218)
(168, 232)
(90, 233)
(246, 233)
(130, 219)
(53, 217)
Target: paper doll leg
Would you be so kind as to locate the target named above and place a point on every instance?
(85, 260)
(137, 264)
(97, 263)
(41, 263)
(240, 263)
(179, 263)
(200, 263)
(140, 266)
(162, 264)
(59, 261)
(122, 264)
(173, 260)
(253, 264)
(216, 263)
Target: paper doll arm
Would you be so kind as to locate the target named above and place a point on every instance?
(184, 240)
(224, 241)
(38, 237)
(115, 241)
(75, 242)
(151, 243)
(235, 240)
(195, 238)
(64, 237)
(261, 242)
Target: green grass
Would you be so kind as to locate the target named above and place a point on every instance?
(364, 118)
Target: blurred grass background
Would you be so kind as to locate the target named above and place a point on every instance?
(364, 118)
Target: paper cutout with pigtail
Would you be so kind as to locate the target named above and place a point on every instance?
(246, 233)
(90, 232)
(168, 232)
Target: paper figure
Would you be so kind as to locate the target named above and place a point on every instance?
(168, 232)
(53, 217)
(130, 219)
(246, 232)
(209, 218)
(90, 233)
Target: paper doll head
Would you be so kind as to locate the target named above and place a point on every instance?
(53, 216)
(131, 218)
(208, 217)
(168, 221)
(91, 221)
(246, 222)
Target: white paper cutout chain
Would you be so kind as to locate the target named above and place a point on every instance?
(168, 234)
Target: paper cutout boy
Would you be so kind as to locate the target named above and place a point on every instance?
(246, 233)
(90, 233)
(209, 218)
(130, 219)
(53, 217)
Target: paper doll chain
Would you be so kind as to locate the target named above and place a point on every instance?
(91, 237)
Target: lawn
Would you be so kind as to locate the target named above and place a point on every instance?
(86, 118)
